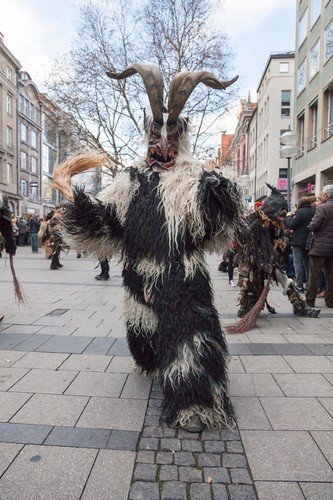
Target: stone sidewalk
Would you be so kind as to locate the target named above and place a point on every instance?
(76, 422)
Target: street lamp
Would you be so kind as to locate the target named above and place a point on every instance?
(289, 150)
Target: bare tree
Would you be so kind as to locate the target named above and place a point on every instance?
(175, 34)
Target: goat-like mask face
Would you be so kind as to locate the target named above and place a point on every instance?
(163, 144)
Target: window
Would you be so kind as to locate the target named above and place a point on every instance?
(33, 164)
(300, 132)
(26, 107)
(315, 10)
(32, 111)
(23, 187)
(9, 104)
(9, 136)
(284, 67)
(285, 103)
(303, 28)
(283, 173)
(329, 41)
(33, 139)
(9, 73)
(301, 81)
(21, 103)
(328, 113)
(33, 192)
(314, 59)
(23, 132)
(313, 125)
(9, 173)
(23, 160)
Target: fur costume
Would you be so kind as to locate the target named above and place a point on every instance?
(160, 216)
(262, 255)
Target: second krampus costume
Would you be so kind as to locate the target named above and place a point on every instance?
(160, 216)
(263, 255)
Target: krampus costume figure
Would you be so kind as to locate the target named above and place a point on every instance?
(160, 216)
(262, 256)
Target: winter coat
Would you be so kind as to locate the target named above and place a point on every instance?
(34, 226)
(299, 224)
(322, 227)
(6, 227)
(22, 226)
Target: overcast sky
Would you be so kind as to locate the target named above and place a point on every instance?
(37, 31)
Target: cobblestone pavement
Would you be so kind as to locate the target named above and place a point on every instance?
(76, 422)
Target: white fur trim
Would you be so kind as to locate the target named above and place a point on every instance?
(139, 317)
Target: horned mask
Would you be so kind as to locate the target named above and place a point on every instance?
(165, 129)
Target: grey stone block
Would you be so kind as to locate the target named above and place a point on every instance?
(278, 490)
(149, 444)
(200, 492)
(315, 491)
(321, 349)
(10, 340)
(184, 458)
(188, 445)
(325, 442)
(119, 348)
(121, 364)
(10, 403)
(32, 343)
(169, 433)
(304, 384)
(9, 376)
(210, 435)
(78, 438)
(241, 492)
(110, 476)
(214, 446)
(108, 385)
(8, 452)
(22, 329)
(220, 492)
(209, 459)
(291, 350)
(265, 364)
(310, 364)
(146, 457)
(23, 433)
(171, 444)
(154, 411)
(239, 349)
(164, 457)
(250, 414)
(254, 384)
(156, 394)
(145, 472)
(190, 475)
(174, 490)
(262, 349)
(153, 431)
(216, 475)
(8, 358)
(123, 440)
(230, 435)
(152, 420)
(137, 387)
(41, 360)
(86, 362)
(233, 460)
(142, 491)
(240, 476)
(235, 447)
(99, 346)
(183, 434)
(169, 473)
(70, 345)
(44, 381)
(43, 465)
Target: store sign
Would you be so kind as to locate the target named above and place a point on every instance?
(281, 184)
(309, 189)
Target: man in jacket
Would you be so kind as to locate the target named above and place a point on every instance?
(22, 227)
(321, 251)
(299, 225)
(34, 228)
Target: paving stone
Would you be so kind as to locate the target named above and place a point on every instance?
(214, 446)
(153, 431)
(170, 444)
(190, 474)
(112, 413)
(230, 435)
(99, 346)
(216, 474)
(250, 414)
(8, 452)
(235, 447)
(119, 348)
(174, 490)
(8, 358)
(241, 492)
(145, 472)
(164, 457)
(32, 343)
(278, 490)
(262, 349)
(70, 345)
(24, 477)
(292, 350)
(152, 420)
(233, 460)
(296, 414)
(146, 457)
(44, 381)
(86, 362)
(121, 364)
(265, 364)
(10, 340)
(137, 387)
(324, 440)
(183, 434)
(155, 411)
(310, 364)
(304, 384)
(149, 444)
(168, 473)
(142, 491)
(188, 445)
(108, 385)
(123, 440)
(9, 376)
(321, 349)
(254, 384)
(57, 330)
(240, 476)
(220, 492)
(23, 433)
(302, 460)
(23, 329)
(235, 365)
(51, 409)
(41, 360)
(239, 349)
(209, 459)
(10, 403)
(184, 458)
(200, 492)
(168, 432)
(315, 491)
(156, 395)
(78, 438)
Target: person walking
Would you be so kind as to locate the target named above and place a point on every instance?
(300, 231)
(22, 227)
(321, 248)
(34, 228)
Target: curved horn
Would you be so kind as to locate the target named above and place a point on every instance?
(183, 85)
(153, 81)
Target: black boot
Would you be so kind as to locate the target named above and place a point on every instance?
(104, 276)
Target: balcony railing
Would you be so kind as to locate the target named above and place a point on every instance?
(328, 131)
(312, 142)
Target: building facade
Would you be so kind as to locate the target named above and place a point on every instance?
(9, 175)
(313, 120)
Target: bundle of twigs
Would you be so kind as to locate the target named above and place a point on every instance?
(19, 293)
